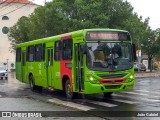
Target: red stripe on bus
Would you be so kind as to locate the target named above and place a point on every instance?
(66, 36)
(112, 80)
(64, 69)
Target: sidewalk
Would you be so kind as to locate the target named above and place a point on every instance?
(147, 74)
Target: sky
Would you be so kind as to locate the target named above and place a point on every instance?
(144, 8)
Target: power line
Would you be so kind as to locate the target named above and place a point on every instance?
(6, 7)
(6, 3)
(14, 10)
(3, 2)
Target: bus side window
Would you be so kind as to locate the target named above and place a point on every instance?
(18, 55)
(67, 49)
(31, 53)
(58, 50)
(38, 52)
(43, 52)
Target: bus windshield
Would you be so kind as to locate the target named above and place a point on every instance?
(109, 56)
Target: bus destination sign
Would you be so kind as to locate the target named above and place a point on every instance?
(108, 36)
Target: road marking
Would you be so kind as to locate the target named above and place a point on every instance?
(146, 91)
(123, 101)
(98, 103)
(138, 99)
(136, 93)
(150, 95)
(71, 104)
(150, 100)
(102, 103)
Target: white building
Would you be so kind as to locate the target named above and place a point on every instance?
(10, 12)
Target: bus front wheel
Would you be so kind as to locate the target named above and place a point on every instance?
(107, 94)
(68, 90)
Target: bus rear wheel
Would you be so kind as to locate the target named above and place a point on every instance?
(69, 93)
(32, 83)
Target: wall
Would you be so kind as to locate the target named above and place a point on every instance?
(13, 11)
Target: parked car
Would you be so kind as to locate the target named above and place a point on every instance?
(3, 73)
(139, 66)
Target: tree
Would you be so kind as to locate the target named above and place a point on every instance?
(61, 16)
(19, 32)
(151, 46)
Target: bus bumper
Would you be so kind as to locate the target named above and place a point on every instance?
(103, 88)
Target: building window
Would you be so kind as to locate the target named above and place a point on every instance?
(5, 30)
(5, 18)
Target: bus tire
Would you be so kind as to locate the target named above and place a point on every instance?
(107, 94)
(68, 90)
(32, 83)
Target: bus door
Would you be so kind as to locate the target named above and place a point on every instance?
(79, 68)
(23, 65)
(50, 66)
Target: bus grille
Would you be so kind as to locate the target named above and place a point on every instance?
(113, 86)
(111, 76)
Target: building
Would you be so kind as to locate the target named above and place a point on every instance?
(10, 12)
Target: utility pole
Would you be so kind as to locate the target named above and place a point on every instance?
(7, 65)
(7, 68)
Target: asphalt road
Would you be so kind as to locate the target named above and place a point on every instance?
(141, 104)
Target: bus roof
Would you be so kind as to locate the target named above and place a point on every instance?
(58, 37)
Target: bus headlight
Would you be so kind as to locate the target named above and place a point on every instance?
(130, 79)
(92, 79)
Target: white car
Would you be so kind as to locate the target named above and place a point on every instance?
(3, 73)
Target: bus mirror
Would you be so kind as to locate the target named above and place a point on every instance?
(134, 52)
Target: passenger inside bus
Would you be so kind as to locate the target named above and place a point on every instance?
(100, 54)
(115, 53)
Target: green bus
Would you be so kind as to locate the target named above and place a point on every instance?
(87, 61)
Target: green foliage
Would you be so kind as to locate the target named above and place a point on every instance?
(150, 46)
(19, 32)
(61, 16)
